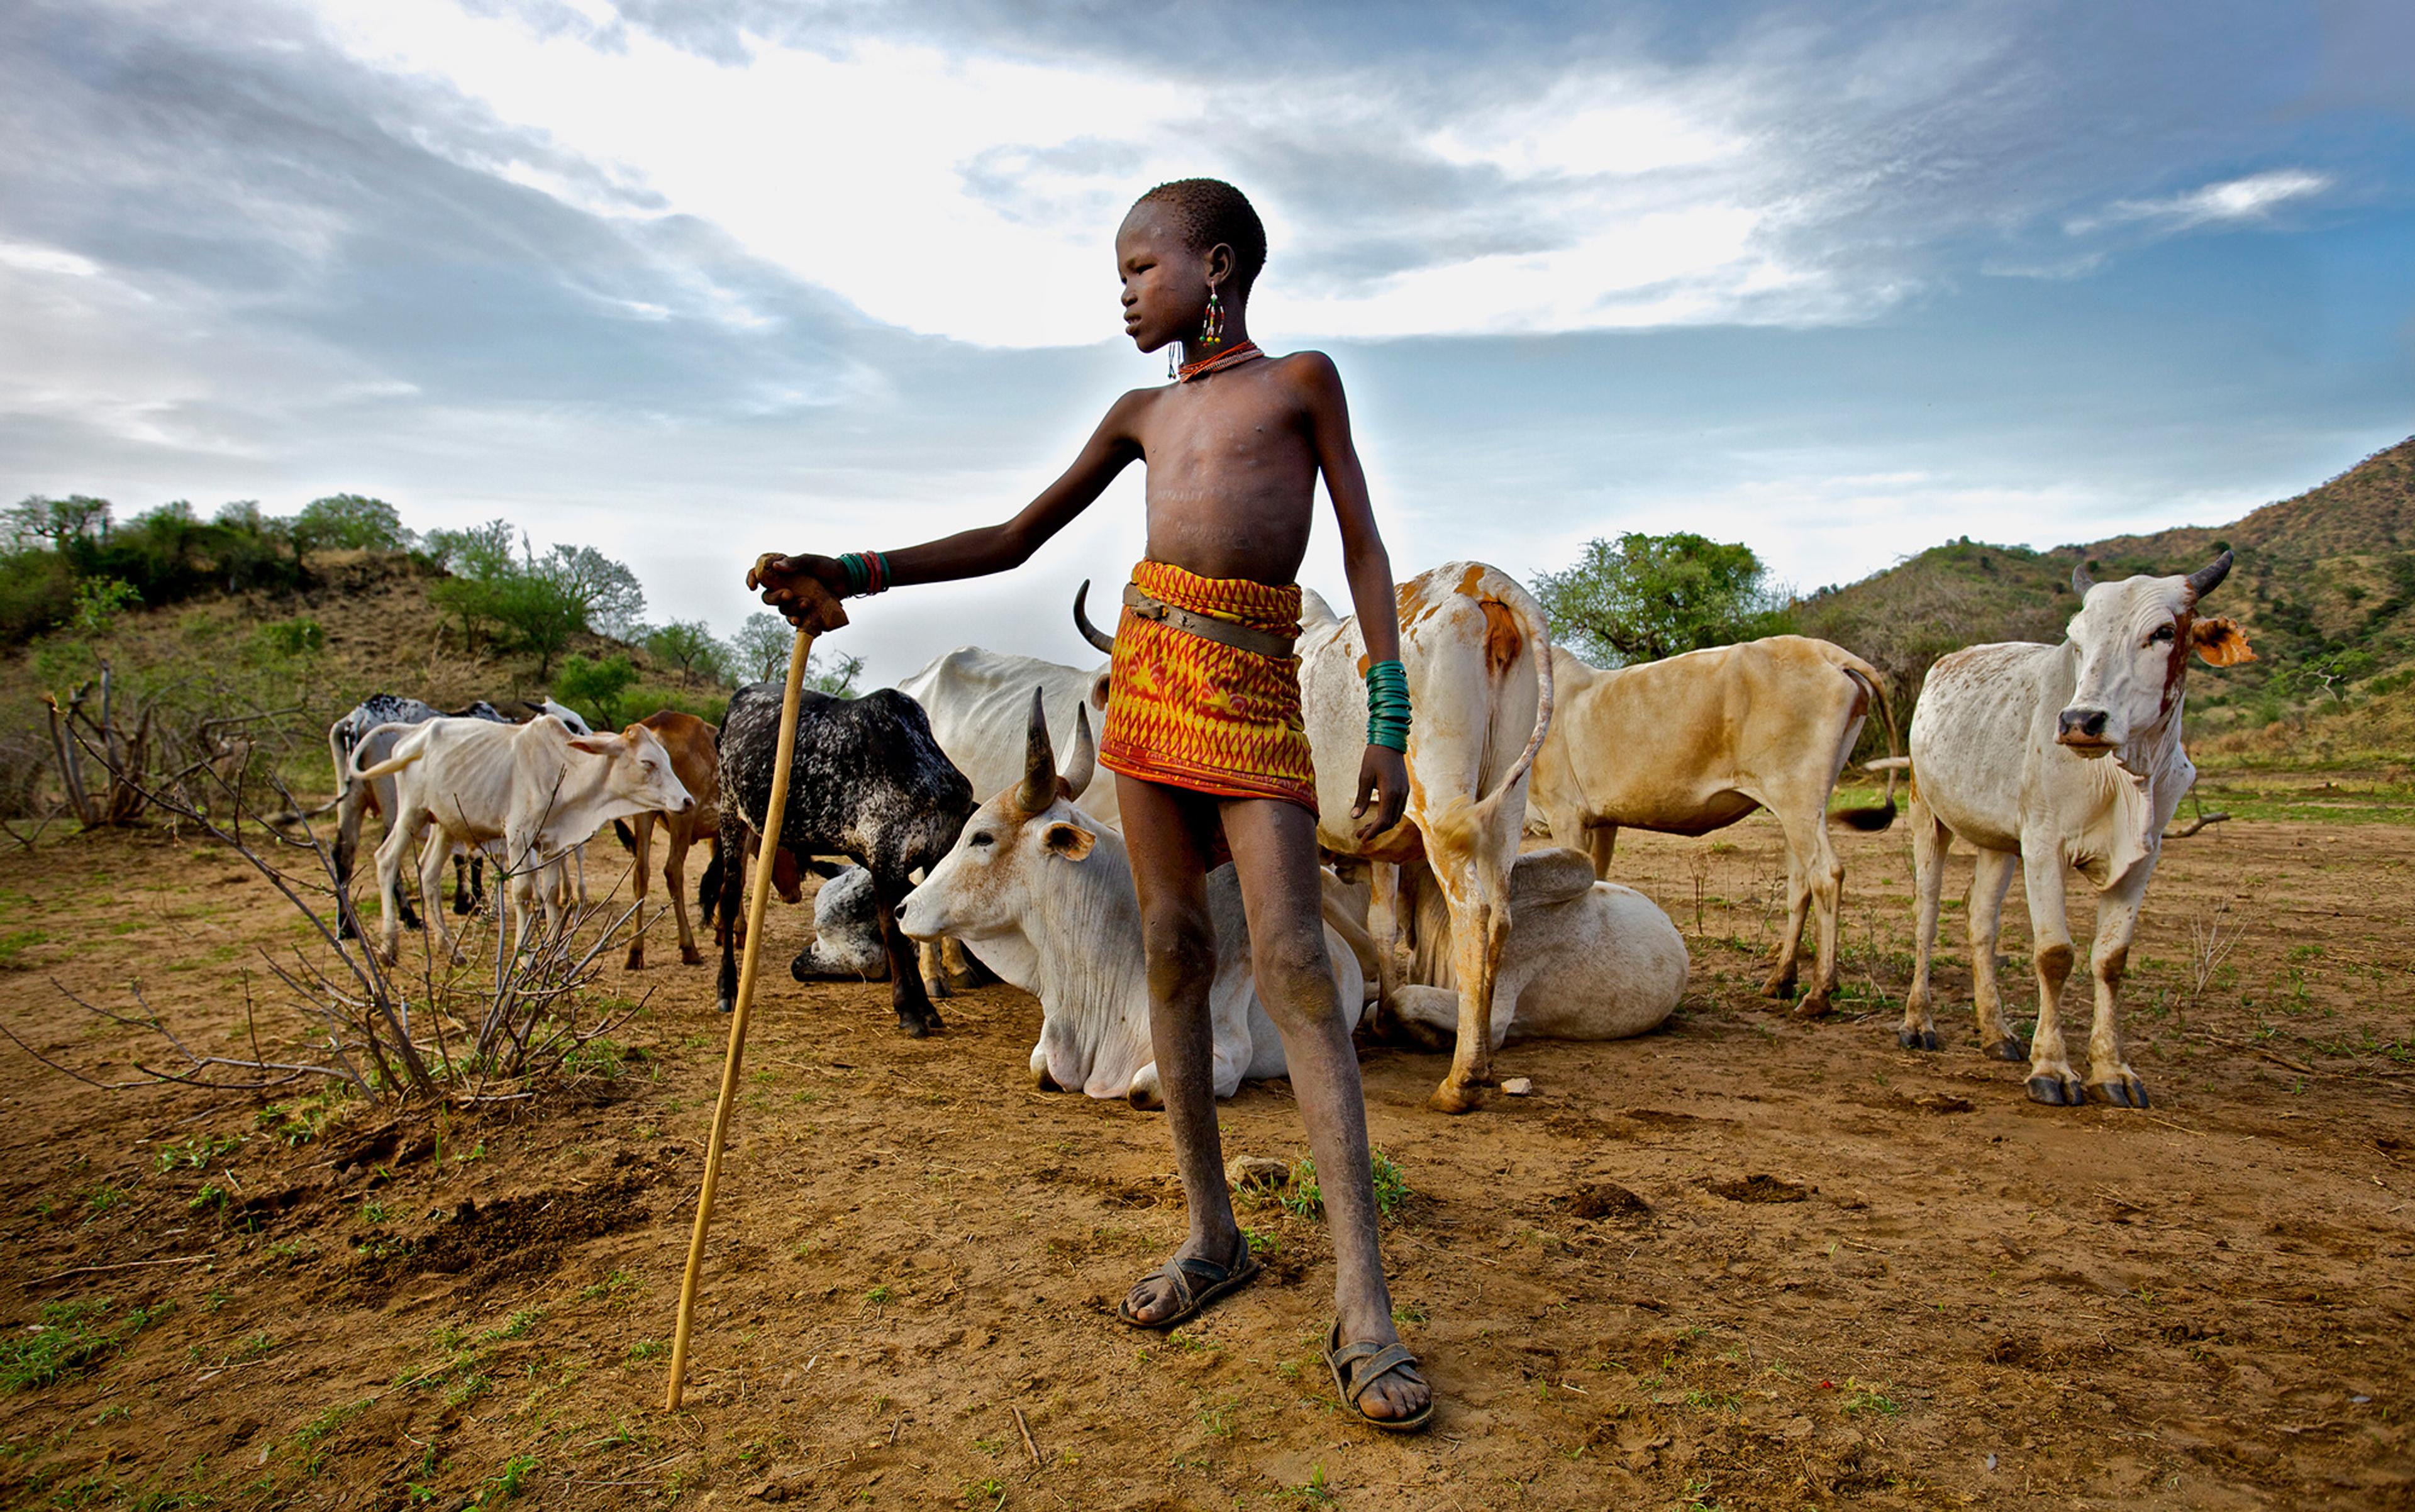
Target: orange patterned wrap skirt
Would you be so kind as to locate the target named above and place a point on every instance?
(1196, 713)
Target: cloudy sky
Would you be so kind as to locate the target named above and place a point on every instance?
(690, 279)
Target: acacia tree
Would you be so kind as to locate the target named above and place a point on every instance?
(1644, 597)
(763, 646)
(690, 645)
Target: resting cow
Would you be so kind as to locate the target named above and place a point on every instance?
(980, 700)
(1044, 892)
(1695, 742)
(1585, 959)
(536, 788)
(869, 783)
(1479, 658)
(2055, 756)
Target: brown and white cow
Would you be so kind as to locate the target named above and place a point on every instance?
(1477, 651)
(2057, 756)
(1694, 742)
(695, 761)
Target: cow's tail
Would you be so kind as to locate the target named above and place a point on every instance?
(339, 754)
(1878, 818)
(1528, 629)
(405, 752)
(622, 832)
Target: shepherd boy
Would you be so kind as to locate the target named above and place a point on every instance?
(1203, 731)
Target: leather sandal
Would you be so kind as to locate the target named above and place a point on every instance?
(1195, 1283)
(1357, 1367)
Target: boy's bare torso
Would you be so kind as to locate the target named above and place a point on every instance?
(1232, 472)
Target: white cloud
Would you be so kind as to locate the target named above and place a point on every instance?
(26, 257)
(2251, 198)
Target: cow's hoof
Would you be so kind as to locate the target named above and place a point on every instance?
(636, 961)
(2057, 1091)
(2122, 1092)
(937, 987)
(1044, 1082)
(690, 956)
(1456, 1099)
(1917, 1039)
(1782, 989)
(797, 967)
(726, 1006)
(1815, 1007)
(2008, 1048)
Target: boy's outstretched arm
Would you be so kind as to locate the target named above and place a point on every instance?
(986, 548)
(1383, 772)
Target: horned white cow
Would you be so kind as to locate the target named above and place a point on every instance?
(980, 701)
(535, 787)
(1044, 892)
(1585, 959)
(2055, 756)
(1477, 653)
(1694, 742)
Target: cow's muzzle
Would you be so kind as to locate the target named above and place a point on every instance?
(2083, 730)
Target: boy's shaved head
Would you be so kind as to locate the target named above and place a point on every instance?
(1207, 211)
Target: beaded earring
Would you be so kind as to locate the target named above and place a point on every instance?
(1211, 328)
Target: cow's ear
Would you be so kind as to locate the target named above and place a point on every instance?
(1070, 841)
(1099, 690)
(595, 744)
(2221, 642)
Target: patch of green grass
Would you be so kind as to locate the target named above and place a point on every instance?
(879, 1295)
(517, 1326)
(1314, 1492)
(610, 1287)
(1861, 1398)
(649, 1349)
(14, 945)
(103, 1199)
(69, 1340)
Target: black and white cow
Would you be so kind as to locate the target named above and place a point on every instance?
(353, 736)
(869, 783)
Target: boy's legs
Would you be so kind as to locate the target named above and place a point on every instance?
(1162, 830)
(1274, 852)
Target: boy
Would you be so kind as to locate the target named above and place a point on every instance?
(1204, 732)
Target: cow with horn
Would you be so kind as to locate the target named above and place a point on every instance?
(2056, 757)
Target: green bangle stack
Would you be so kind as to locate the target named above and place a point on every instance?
(1388, 706)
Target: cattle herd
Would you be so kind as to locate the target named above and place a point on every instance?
(974, 847)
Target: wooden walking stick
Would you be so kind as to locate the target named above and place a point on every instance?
(823, 613)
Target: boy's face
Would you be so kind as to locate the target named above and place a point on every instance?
(1164, 279)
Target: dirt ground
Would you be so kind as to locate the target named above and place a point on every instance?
(1745, 1262)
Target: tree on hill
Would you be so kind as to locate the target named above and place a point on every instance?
(763, 646)
(690, 645)
(1644, 597)
(531, 602)
(349, 521)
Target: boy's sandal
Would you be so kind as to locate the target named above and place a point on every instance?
(1195, 1283)
(1357, 1367)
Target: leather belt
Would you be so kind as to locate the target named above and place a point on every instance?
(1223, 632)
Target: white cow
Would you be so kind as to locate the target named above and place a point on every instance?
(535, 787)
(1477, 653)
(979, 701)
(2055, 756)
(1585, 960)
(1045, 893)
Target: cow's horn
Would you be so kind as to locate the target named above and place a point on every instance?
(2080, 581)
(1085, 763)
(1082, 621)
(1038, 763)
(2209, 577)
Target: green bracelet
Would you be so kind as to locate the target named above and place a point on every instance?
(1388, 706)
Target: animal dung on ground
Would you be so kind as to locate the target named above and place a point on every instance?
(1244, 1172)
(1760, 1188)
(1605, 1199)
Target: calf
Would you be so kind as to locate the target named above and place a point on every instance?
(696, 761)
(535, 787)
(869, 783)
(2053, 757)
(1044, 892)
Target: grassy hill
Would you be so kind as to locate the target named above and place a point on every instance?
(360, 623)
(2324, 586)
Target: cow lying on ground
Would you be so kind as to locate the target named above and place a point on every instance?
(696, 761)
(2053, 757)
(1585, 960)
(536, 788)
(1044, 892)
(364, 737)
(1479, 657)
(1695, 742)
(869, 783)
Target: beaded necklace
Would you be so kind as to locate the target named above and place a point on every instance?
(1205, 366)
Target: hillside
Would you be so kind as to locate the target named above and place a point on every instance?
(2324, 586)
(361, 622)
